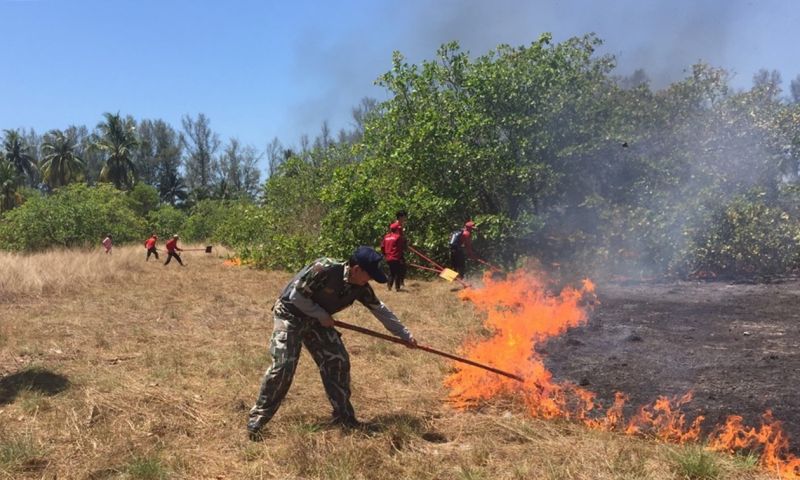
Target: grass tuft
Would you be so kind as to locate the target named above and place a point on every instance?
(148, 467)
(20, 454)
(693, 462)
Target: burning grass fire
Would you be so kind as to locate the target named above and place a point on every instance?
(522, 314)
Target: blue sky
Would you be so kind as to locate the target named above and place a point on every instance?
(264, 69)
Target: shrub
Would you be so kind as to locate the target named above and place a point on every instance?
(142, 198)
(204, 219)
(74, 216)
(747, 236)
(166, 220)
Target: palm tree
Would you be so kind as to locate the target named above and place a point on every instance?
(9, 180)
(172, 188)
(61, 164)
(17, 153)
(117, 140)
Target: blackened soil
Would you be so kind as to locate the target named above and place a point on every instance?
(736, 346)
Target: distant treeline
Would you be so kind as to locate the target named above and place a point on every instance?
(553, 155)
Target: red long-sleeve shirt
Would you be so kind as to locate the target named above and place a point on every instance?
(150, 243)
(172, 245)
(393, 246)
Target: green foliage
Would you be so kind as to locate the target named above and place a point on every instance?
(552, 158)
(142, 198)
(117, 141)
(695, 463)
(747, 236)
(18, 454)
(9, 184)
(76, 215)
(467, 139)
(60, 163)
(286, 231)
(243, 224)
(147, 468)
(19, 154)
(204, 219)
(550, 154)
(165, 220)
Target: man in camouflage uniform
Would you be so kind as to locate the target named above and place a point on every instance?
(303, 316)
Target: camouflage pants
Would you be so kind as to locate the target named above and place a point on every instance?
(327, 349)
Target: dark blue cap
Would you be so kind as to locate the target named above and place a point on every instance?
(370, 260)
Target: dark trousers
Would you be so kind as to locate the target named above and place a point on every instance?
(173, 254)
(151, 251)
(458, 260)
(328, 352)
(397, 273)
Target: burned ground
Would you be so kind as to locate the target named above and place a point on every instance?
(734, 345)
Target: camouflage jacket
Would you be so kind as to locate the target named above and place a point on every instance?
(322, 289)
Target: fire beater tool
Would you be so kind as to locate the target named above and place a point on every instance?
(382, 336)
(447, 274)
(443, 272)
(207, 249)
(490, 265)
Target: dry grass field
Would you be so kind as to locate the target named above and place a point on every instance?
(114, 368)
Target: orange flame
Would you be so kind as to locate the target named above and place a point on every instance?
(769, 438)
(521, 314)
(233, 262)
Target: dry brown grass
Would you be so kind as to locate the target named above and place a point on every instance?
(116, 368)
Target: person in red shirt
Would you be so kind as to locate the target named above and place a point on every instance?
(393, 247)
(461, 248)
(172, 250)
(150, 245)
(107, 244)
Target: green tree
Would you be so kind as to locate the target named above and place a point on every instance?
(9, 181)
(460, 138)
(200, 144)
(238, 171)
(75, 215)
(145, 155)
(93, 159)
(18, 153)
(61, 164)
(117, 140)
(142, 198)
(171, 185)
(166, 220)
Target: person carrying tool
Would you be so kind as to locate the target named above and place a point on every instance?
(393, 248)
(461, 248)
(303, 315)
(150, 245)
(173, 249)
(107, 244)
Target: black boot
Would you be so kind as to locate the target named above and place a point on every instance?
(254, 430)
(347, 423)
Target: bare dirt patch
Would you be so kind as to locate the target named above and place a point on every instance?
(736, 346)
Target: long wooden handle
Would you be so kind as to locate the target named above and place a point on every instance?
(390, 338)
